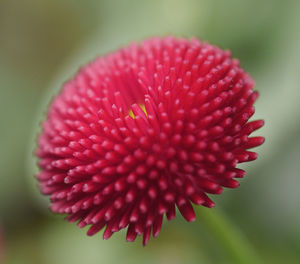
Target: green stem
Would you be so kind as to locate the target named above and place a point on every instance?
(229, 236)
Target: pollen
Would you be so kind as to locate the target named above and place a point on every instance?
(138, 108)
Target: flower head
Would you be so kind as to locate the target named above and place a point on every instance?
(144, 130)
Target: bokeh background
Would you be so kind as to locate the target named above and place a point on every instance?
(42, 44)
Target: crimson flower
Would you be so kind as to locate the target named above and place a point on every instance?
(146, 129)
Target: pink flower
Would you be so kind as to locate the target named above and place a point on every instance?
(146, 129)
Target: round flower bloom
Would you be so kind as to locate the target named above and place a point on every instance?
(146, 129)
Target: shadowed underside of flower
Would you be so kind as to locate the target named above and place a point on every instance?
(144, 130)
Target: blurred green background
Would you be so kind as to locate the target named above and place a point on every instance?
(42, 44)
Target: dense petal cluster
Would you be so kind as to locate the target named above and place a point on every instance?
(146, 129)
